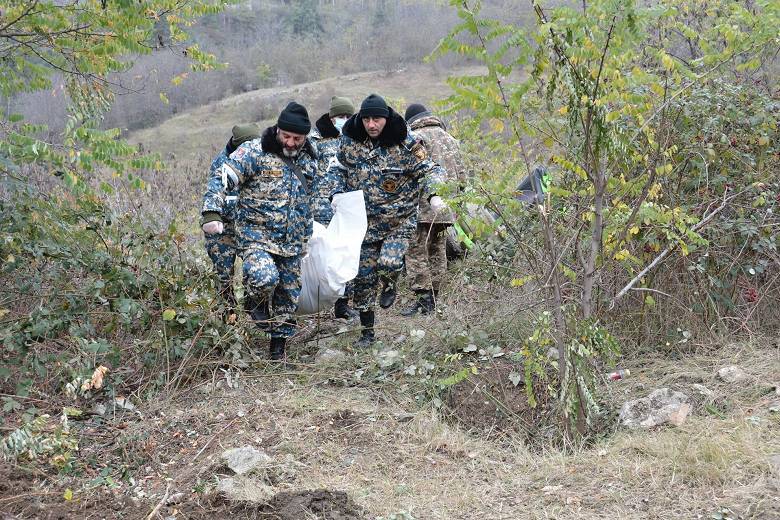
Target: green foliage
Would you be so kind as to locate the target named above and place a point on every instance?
(39, 438)
(304, 19)
(91, 288)
(625, 103)
(82, 44)
(575, 389)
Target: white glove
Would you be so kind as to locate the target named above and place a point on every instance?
(437, 204)
(215, 227)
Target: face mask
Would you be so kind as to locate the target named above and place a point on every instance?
(339, 123)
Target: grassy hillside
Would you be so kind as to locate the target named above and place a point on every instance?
(205, 129)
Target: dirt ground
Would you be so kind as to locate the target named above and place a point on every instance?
(365, 452)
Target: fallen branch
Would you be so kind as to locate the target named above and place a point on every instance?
(160, 503)
(663, 254)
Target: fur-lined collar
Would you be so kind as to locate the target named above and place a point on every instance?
(325, 127)
(271, 144)
(394, 133)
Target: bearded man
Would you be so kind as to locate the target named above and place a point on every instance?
(272, 176)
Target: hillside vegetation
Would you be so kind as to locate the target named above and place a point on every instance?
(610, 350)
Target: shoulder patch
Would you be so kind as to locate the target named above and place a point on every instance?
(419, 151)
(238, 153)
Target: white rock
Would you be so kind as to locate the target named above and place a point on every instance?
(660, 407)
(244, 489)
(245, 460)
(731, 374)
(703, 390)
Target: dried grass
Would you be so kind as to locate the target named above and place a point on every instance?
(361, 440)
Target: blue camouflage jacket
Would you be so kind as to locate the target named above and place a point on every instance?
(216, 199)
(326, 139)
(392, 171)
(273, 211)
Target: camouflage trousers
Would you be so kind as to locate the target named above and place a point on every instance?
(385, 258)
(222, 251)
(426, 260)
(276, 279)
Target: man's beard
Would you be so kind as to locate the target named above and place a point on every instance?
(289, 152)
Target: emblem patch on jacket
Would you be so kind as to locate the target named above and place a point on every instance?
(419, 151)
(390, 185)
(274, 173)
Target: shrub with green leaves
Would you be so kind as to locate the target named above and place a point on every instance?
(658, 125)
(83, 287)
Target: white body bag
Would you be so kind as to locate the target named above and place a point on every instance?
(333, 254)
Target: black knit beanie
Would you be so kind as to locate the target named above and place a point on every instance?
(294, 118)
(413, 110)
(374, 105)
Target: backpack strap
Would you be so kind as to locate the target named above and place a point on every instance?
(298, 173)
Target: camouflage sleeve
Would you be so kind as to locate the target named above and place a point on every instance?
(432, 174)
(237, 166)
(214, 199)
(337, 170)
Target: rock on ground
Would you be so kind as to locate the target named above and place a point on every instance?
(731, 374)
(245, 460)
(660, 407)
(244, 489)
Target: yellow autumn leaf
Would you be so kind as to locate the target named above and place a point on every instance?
(68, 495)
(563, 110)
(668, 62)
(634, 230)
(519, 282)
(497, 125)
(168, 314)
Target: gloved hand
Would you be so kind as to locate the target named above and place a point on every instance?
(214, 227)
(437, 204)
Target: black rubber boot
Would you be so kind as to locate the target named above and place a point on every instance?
(387, 297)
(424, 304)
(277, 348)
(259, 311)
(342, 310)
(367, 332)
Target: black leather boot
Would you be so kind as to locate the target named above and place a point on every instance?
(387, 297)
(342, 310)
(424, 304)
(277, 348)
(367, 332)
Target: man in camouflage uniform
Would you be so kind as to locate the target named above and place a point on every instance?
(426, 260)
(273, 175)
(379, 155)
(222, 248)
(325, 137)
